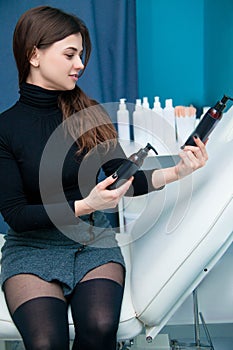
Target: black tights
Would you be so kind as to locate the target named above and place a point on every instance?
(95, 306)
(42, 323)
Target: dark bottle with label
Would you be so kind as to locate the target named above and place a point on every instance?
(208, 122)
(130, 166)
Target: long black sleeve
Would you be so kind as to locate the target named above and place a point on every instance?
(16, 209)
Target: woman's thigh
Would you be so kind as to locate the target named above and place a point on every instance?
(23, 287)
(111, 270)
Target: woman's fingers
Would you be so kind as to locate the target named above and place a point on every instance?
(192, 158)
(103, 185)
(102, 198)
(199, 150)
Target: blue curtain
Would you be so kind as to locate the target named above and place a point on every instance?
(112, 70)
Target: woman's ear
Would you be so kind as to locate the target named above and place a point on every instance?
(35, 57)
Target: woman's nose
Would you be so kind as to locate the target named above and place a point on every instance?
(78, 64)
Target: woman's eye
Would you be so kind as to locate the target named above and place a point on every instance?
(69, 56)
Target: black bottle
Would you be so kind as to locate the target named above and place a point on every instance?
(130, 166)
(208, 122)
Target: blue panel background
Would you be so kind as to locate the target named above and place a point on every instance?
(218, 49)
(171, 50)
(185, 50)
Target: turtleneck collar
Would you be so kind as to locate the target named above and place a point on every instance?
(37, 96)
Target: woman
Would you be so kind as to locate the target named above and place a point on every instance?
(45, 268)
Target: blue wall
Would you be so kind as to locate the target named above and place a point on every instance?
(171, 49)
(185, 50)
(218, 49)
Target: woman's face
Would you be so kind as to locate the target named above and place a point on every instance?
(57, 67)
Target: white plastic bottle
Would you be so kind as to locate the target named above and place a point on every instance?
(157, 122)
(123, 124)
(147, 116)
(170, 130)
(169, 111)
(139, 127)
(157, 106)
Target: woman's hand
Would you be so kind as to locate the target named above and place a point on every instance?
(192, 158)
(101, 198)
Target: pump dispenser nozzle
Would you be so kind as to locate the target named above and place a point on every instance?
(208, 122)
(131, 166)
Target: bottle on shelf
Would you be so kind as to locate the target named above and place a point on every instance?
(147, 116)
(139, 126)
(157, 122)
(157, 106)
(169, 111)
(123, 124)
(169, 127)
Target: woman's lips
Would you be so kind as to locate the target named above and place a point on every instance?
(74, 76)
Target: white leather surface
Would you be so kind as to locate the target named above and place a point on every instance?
(183, 237)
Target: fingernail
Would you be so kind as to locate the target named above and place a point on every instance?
(195, 136)
(114, 176)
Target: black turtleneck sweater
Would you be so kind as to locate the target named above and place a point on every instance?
(25, 129)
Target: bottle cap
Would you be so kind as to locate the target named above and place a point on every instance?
(157, 102)
(145, 102)
(169, 103)
(138, 104)
(122, 104)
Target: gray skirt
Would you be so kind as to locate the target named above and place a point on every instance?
(64, 254)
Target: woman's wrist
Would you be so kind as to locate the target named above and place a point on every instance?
(161, 177)
(82, 208)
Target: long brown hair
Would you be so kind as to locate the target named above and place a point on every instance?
(41, 27)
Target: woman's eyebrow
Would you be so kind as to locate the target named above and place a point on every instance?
(74, 49)
(71, 48)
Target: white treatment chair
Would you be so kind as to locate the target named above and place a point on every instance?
(177, 237)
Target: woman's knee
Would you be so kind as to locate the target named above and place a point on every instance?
(42, 342)
(102, 327)
(100, 334)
